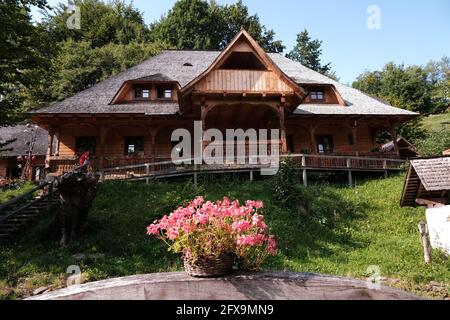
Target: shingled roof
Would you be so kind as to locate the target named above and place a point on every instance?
(183, 66)
(21, 135)
(427, 177)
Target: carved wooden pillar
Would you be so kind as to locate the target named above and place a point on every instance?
(312, 138)
(394, 134)
(204, 112)
(102, 149)
(154, 133)
(50, 137)
(58, 139)
(283, 142)
(354, 132)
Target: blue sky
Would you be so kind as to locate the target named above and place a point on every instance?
(412, 32)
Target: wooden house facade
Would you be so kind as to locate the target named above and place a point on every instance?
(129, 118)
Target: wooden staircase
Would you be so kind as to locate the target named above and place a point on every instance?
(20, 212)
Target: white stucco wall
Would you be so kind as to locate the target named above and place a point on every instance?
(439, 227)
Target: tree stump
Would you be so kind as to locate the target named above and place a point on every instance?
(77, 193)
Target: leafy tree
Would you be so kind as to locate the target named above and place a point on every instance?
(403, 87)
(20, 50)
(308, 52)
(197, 24)
(101, 23)
(79, 66)
(188, 25)
(439, 75)
(235, 17)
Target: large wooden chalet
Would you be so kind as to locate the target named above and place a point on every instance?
(128, 119)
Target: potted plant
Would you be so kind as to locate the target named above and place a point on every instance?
(214, 236)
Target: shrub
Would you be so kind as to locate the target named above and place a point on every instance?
(285, 183)
(212, 228)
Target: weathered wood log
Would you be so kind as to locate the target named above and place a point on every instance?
(423, 229)
(239, 286)
(77, 192)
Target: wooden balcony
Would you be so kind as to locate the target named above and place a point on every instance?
(144, 165)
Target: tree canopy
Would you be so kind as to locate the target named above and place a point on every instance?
(308, 52)
(20, 50)
(420, 89)
(197, 24)
(47, 61)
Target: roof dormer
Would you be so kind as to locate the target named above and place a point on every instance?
(156, 87)
(322, 93)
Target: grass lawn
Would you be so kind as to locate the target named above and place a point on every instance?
(437, 122)
(437, 137)
(338, 231)
(7, 195)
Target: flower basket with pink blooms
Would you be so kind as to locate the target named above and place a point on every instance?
(215, 236)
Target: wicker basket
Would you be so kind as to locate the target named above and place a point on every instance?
(209, 266)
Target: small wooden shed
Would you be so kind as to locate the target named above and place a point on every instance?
(428, 184)
(406, 149)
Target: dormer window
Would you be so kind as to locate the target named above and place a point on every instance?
(142, 93)
(164, 92)
(317, 95)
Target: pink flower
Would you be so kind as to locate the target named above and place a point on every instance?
(188, 227)
(201, 218)
(241, 226)
(226, 202)
(259, 204)
(172, 234)
(198, 201)
(250, 240)
(152, 230)
(254, 204)
(272, 246)
(258, 221)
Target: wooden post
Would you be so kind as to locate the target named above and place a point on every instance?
(51, 133)
(50, 195)
(282, 130)
(394, 138)
(147, 173)
(58, 143)
(251, 175)
(305, 173)
(423, 229)
(154, 133)
(195, 175)
(102, 176)
(102, 149)
(350, 177)
(385, 168)
(312, 139)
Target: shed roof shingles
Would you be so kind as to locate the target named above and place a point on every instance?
(170, 64)
(434, 173)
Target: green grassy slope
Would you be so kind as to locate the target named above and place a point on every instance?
(437, 138)
(343, 232)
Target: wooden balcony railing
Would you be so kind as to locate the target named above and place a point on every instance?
(308, 162)
(131, 168)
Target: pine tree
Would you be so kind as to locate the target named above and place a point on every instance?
(308, 52)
